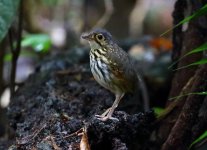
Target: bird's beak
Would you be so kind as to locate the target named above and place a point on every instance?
(87, 36)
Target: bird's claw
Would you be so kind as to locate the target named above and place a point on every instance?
(105, 118)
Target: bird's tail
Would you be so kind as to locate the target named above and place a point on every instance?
(144, 92)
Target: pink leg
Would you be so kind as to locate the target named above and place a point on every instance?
(109, 112)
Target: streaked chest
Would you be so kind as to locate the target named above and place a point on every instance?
(100, 66)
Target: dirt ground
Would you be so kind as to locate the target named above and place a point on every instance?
(61, 98)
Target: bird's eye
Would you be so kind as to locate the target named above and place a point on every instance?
(99, 37)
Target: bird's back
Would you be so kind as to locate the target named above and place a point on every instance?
(122, 68)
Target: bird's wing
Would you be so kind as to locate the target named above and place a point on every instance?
(122, 69)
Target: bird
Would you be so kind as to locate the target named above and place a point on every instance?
(111, 67)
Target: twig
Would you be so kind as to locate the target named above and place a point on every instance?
(172, 105)
(200, 144)
(55, 146)
(32, 136)
(52, 141)
(109, 9)
(3, 117)
(75, 133)
(16, 51)
(201, 122)
(2, 53)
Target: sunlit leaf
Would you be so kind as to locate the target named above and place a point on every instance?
(202, 11)
(195, 93)
(200, 62)
(39, 42)
(8, 10)
(200, 138)
(158, 110)
(201, 48)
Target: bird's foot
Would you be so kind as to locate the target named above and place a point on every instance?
(105, 118)
(104, 114)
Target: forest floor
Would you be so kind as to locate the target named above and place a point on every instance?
(61, 99)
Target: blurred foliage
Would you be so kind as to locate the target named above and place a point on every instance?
(8, 12)
(50, 2)
(199, 139)
(195, 93)
(201, 12)
(158, 110)
(24, 53)
(38, 42)
(201, 48)
(199, 62)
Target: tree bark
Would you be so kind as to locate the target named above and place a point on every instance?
(181, 122)
(180, 134)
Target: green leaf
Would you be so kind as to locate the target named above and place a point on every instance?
(158, 110)
(195, 93)
(200, 62)
(8, 57)
(39, 42)
(202, 11)
(200, 138)
(8, 10)
(201, 48)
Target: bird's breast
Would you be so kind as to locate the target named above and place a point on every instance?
(100, 68)
(107, 72)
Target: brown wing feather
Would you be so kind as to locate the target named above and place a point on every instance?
(122, 69)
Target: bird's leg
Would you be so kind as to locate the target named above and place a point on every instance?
(104, 114)
(108, 113)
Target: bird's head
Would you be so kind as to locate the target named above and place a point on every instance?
(98, 38)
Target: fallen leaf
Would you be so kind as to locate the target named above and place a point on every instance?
(84, 145)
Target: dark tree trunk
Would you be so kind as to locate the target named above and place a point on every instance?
(2, 113)
(182, 122)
